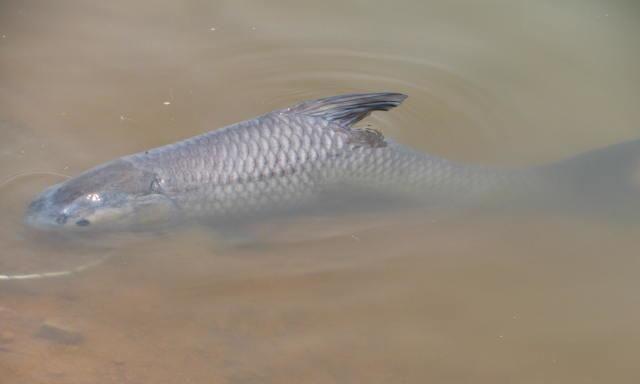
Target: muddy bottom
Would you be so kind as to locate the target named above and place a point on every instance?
(482, 300)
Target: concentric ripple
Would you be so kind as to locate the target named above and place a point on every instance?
(445, 113)
(27, 252)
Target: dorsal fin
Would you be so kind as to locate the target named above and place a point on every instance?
(347, 110)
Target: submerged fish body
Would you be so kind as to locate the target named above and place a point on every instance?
(295, 157)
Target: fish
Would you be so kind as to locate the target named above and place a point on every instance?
(308, 156)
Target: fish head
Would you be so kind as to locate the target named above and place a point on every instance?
(114, 196)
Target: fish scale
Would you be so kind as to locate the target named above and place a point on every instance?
(290, 157)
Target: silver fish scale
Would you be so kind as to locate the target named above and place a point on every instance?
(281, 160)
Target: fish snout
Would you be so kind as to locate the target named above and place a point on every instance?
(41, 214)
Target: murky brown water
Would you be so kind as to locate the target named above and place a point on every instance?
(383, 299)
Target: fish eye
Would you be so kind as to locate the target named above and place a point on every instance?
(83, 222)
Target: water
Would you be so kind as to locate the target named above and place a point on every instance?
(525, 298)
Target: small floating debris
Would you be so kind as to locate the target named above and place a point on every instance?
(212, 28)
(60, 334)
(167, 103)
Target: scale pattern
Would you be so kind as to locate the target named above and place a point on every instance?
(285, 159)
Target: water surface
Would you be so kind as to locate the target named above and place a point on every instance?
(381, 298)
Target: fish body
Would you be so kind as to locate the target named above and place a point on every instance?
(310, 154)
(287, 159)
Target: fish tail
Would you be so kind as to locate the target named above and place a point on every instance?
(601, 179)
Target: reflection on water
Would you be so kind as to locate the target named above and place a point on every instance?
(375, 298)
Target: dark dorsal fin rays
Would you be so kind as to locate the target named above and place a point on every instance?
(346, 110)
